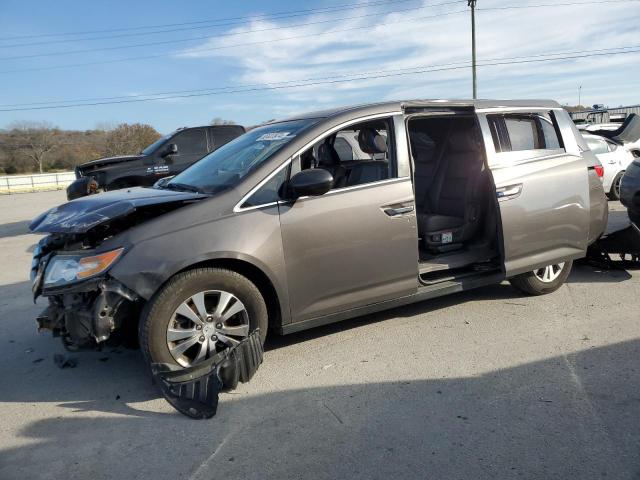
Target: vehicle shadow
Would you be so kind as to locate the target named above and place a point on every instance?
(583, 272)
(493, 292)
(14, 229)
(572, 417)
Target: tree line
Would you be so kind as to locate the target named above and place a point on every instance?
(37, 147)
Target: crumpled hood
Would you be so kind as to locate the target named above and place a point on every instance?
(103, 162)
(83, 214)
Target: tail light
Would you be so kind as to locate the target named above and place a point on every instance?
(599, 170)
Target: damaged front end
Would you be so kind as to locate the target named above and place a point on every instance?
(84, 313)
(70, 267)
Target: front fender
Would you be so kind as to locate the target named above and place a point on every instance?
(252, 237)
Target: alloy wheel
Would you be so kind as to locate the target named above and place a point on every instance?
(616, 186)
(204, 324)
(549, 273)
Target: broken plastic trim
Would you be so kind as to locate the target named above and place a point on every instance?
(194, 391)
(625, 242)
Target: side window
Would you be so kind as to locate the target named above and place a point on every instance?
(359, 154)
(528, 131)
(191, 142)
(270, 192)
(522, 133)
(597, 146)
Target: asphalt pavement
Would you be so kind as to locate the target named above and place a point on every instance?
(488, 384)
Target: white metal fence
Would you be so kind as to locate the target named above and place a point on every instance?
(35, 183)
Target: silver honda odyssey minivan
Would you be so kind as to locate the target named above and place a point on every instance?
(323, 217)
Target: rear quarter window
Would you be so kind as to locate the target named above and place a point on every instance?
(517, 132)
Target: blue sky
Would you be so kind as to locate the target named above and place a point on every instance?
(388, 37)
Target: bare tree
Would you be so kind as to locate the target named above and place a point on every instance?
(34, 140)
(129, 138)
(222, 121)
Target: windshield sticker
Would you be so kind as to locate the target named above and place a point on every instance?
(270, 137)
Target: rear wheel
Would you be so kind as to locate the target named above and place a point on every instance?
(614, 193)
(199, 313)
(542, 280)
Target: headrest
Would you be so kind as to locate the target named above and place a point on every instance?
(327, 155)
(371, 142)
(464, 140)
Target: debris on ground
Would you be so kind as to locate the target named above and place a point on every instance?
(62, 361)
(29, 350)
(194, 391)
(625, 243)
(103, 359)
(38, 360)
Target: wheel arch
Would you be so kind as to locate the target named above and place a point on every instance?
(256, 275)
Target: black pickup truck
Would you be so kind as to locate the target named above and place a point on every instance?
(165, 157)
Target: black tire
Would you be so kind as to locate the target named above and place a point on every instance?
(530, 284)
(614, 193)
(159, 310)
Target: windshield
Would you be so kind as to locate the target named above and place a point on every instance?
(152, 148)
(229, 164)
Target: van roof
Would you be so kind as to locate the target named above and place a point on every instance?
(373, 108)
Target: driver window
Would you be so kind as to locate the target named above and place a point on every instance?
(359, 154)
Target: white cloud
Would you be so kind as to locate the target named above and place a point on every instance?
(403, 40)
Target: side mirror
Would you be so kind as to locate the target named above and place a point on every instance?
(172, 149)
(162, 182)
(314, 182)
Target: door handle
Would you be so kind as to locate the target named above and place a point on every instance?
(510, 191)
(394, 212)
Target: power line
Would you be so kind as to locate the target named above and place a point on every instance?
(541, 5)
(165, 54)
(228, 34)
(221, 23)
(249, 18)
(228, 20)
(221, 88)
(224, 47)
(426, 69)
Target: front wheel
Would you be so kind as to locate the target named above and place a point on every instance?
(199, 313)
(542, 280)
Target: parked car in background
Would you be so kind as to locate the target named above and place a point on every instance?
(614, 159)
(288, 227)
(165, 157)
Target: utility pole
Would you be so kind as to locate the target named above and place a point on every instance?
(472, 4)
(580, 95)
